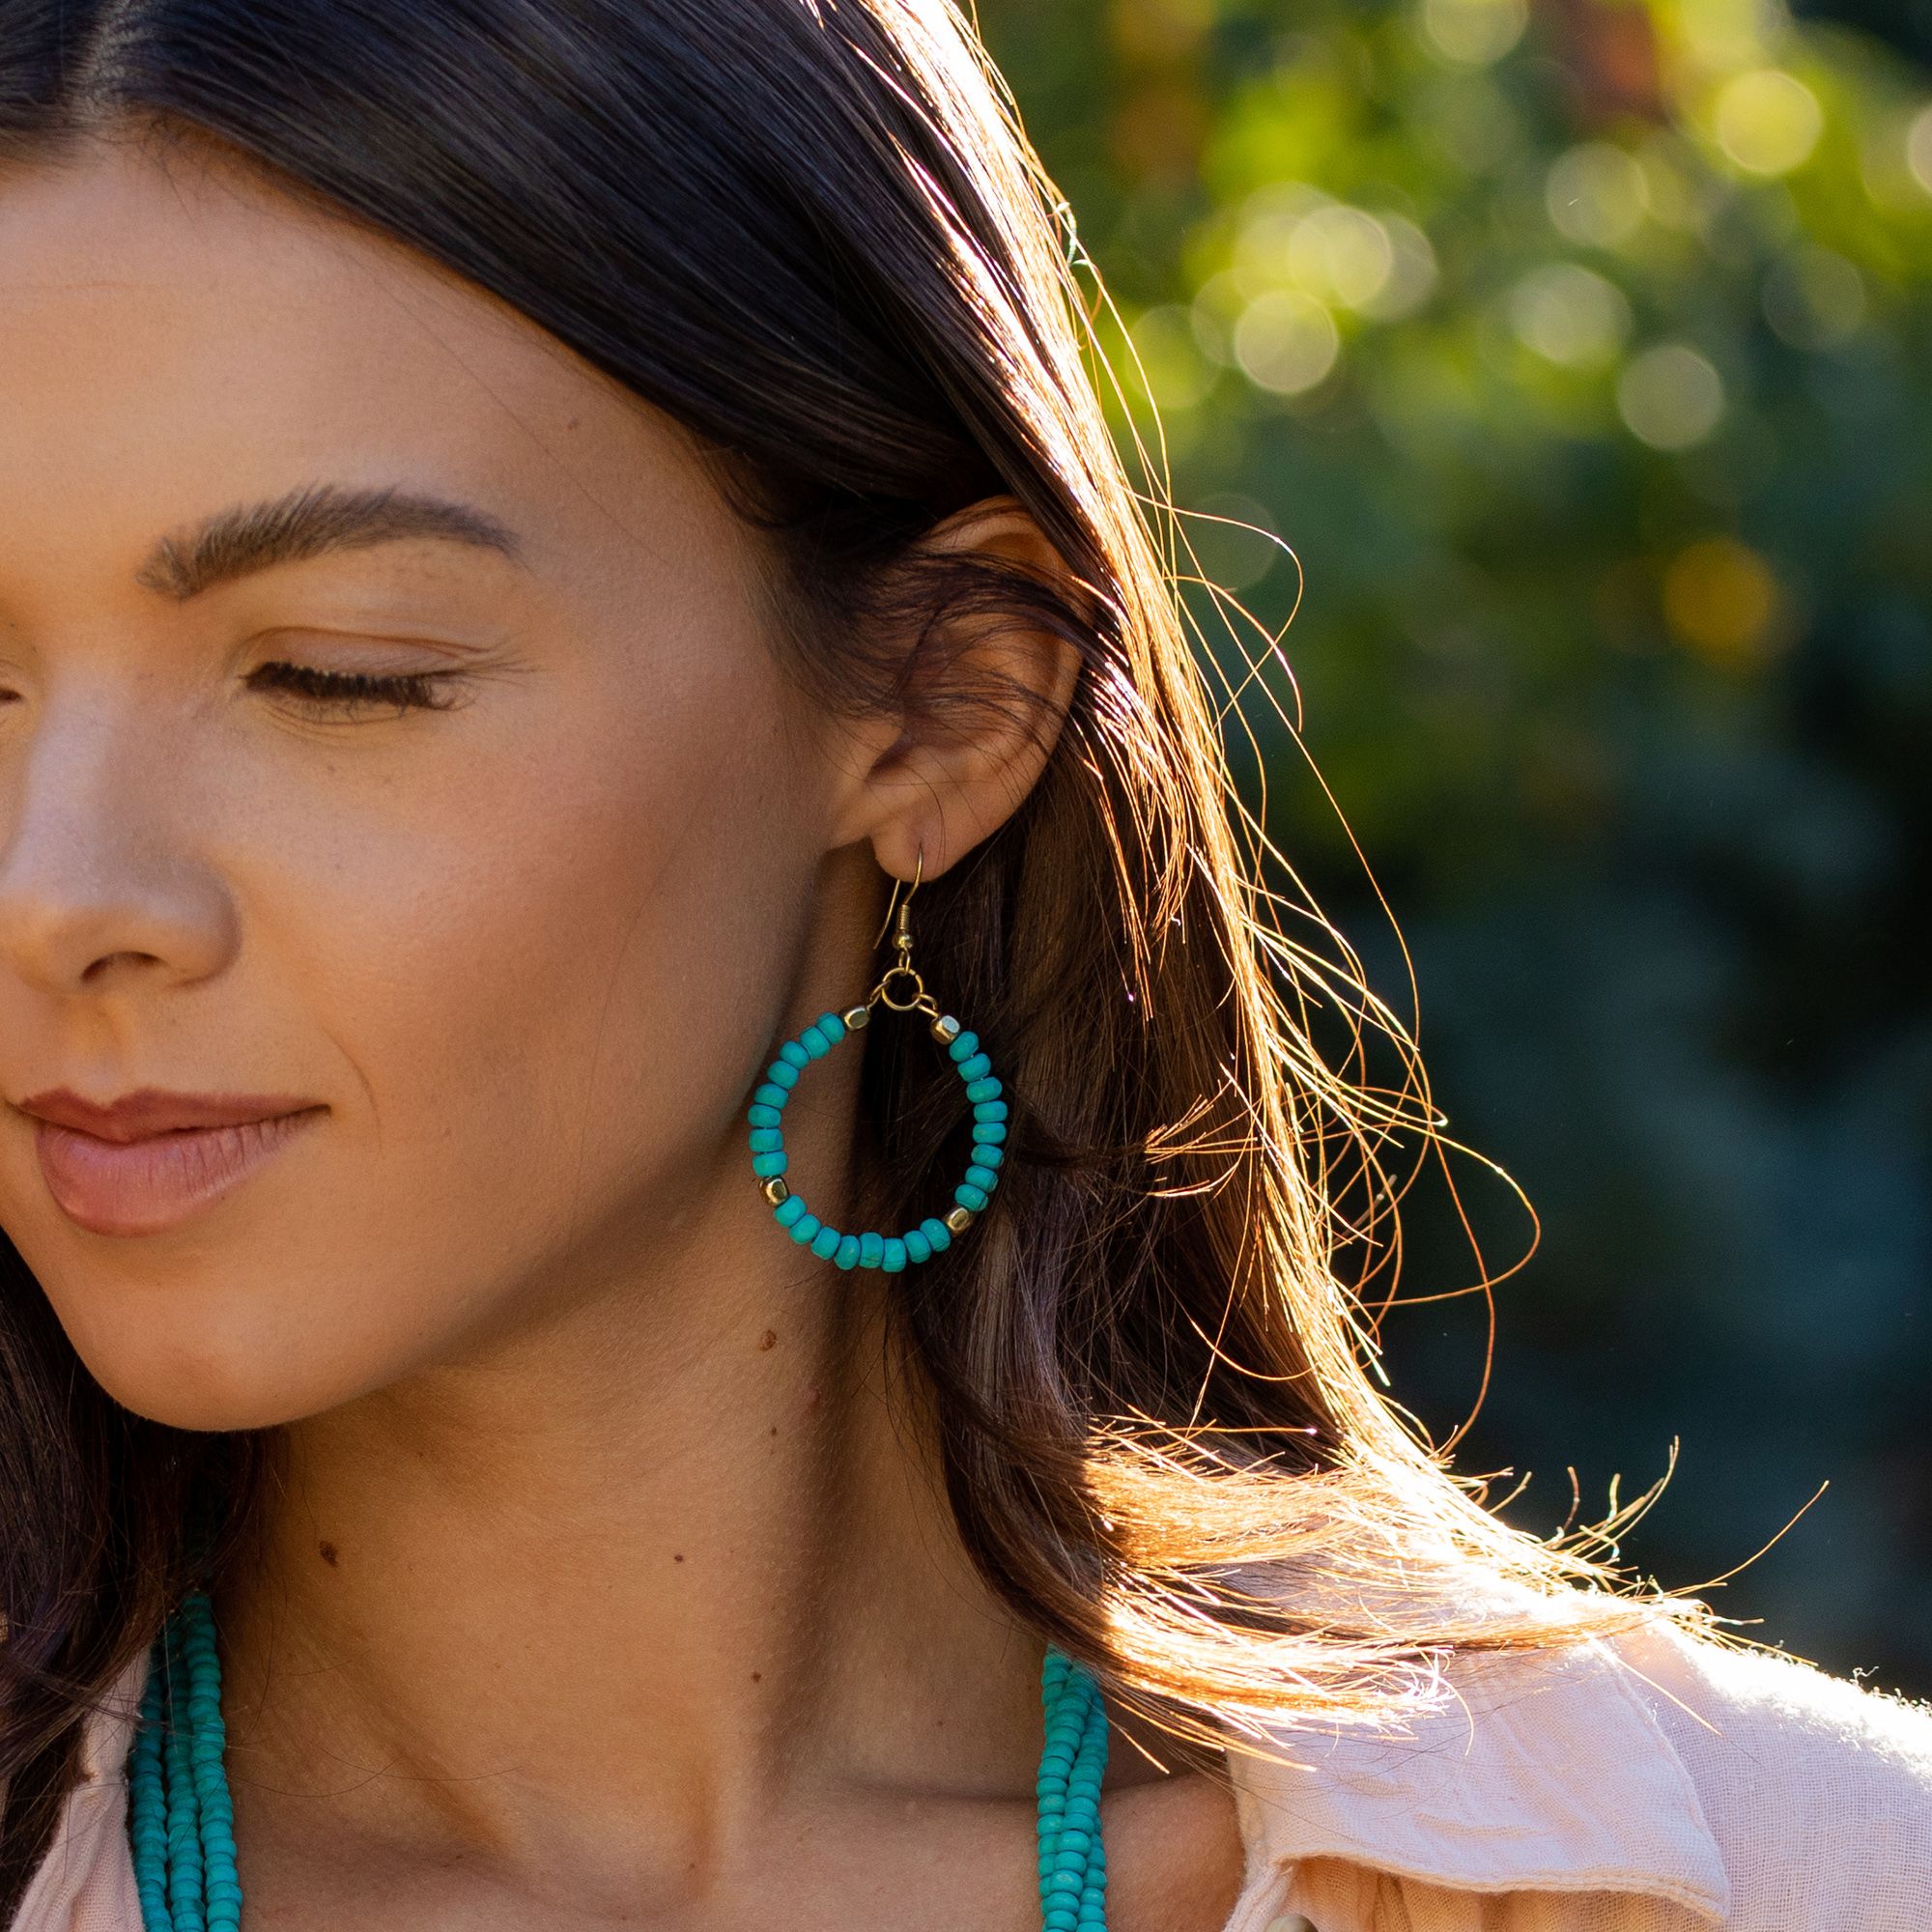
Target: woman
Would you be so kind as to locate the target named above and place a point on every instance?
(566, 606)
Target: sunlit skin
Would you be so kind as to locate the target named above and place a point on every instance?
(612, 1584)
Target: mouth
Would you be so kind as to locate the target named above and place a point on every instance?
(153, 1182)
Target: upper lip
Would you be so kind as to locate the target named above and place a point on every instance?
(153, 1110)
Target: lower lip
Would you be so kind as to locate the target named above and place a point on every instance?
(148, 1186)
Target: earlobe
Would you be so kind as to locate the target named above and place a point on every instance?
(984, 707)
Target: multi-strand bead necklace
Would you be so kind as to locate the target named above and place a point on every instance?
(181, 1825)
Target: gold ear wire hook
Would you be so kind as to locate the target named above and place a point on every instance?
(903, 938)
(901, 968)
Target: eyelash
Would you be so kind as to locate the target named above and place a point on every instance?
(345, 691)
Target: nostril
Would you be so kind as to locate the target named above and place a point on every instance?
(107, 959)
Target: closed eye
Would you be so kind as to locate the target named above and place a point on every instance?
(347, 693)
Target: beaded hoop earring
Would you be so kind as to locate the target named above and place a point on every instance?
(886, 1252)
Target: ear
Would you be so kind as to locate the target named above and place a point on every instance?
(983, 711)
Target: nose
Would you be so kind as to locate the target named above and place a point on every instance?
(95, 883)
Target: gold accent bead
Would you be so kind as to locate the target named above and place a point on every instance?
(856, 1017)
(775, 1191)
(946, 1029)
(959, 1220)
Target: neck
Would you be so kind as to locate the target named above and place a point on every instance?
(650, 1573)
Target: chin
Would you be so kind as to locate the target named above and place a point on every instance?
(208, 1369)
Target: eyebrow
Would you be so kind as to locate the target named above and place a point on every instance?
(310, 521)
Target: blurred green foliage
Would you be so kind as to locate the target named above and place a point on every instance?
(1582, 352)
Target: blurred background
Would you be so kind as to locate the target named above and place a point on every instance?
(1581, 350)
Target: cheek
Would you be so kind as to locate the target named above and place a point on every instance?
(534, 1001)
(551, 989)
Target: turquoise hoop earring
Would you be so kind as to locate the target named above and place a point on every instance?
(766, 1115)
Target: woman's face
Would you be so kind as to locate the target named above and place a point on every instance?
(519, 951)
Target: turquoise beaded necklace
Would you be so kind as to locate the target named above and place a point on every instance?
(1072, 1860)
(181, 1825)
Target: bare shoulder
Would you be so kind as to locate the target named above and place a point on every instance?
(1817, 1790)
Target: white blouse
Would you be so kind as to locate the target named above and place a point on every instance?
(1660, 1783)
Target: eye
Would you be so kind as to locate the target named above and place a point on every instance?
(347, 693)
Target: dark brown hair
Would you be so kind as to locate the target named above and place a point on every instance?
(813, 234)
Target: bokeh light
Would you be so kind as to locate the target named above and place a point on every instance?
(1597, 193)
(1177, 372)
(1339, 254)
(1234, 539)
(1721, 599)
(1286, 341)
(1919, 148)
(1474, 33)
(1767, 122)
(1570, 314)
(1412, 273)
(1670, 396)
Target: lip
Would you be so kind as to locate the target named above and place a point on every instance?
(120, 1182)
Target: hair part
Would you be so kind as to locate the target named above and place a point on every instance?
(850, 283)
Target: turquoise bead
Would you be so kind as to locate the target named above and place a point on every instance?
(991, 1132)
(815, 1042)
(990, 1110)
(795, 1054)
(831, 1027)
(988, 1089)
(825, 1243)
(766, 1140)
(804, 1228)
(759, 1115)
(969, 1196)
(872, 1246)
(936, 1233)
(988, 1154)
(974, 1069)
(847, 1256)
(765, 1165)
(770, 1095)
(917, 1246)
(982, 1177)
(893, 1255)
(962, 1047)
(782, 1073)
(788, 1210)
